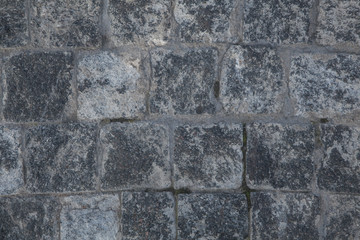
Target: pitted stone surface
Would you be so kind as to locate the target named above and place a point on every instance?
(252, 80)
(148, 216)
(183, 81)
(280, 156)
(110, 86)
(140, 22)
(135, 155)
(325, 85)
(38, 86)
(212, 216)
(207, 21)
(60, 158)
(208, 156)
(71, 23)
(285, 216)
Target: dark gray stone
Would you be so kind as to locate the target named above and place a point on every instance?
(183, 81)
(280, 156)
(135, 155)
(60, 158)
(148, 216)
(208, 156)
(38, 86)
(212, 216)
(285, 216)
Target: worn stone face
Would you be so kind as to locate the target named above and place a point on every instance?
(148, 216)
(90, 217)
(252, 80)
(38, 86)
(183, 81)
(212, 216)
(208, 156)
(135, 155)
(140, 22)
(325, 85)
(280, 156)
(60, 158)
(207, 21)
(71, 23)
(285, 216)
(110, 86)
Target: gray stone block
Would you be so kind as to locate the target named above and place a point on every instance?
(208, 156)
(212, 216)
(135, 155)
(252, 80)
(280, 156)
(60, 158)
(148, 216)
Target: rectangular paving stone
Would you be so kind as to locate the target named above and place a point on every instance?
(135, 155)
(148, 215)
(280, 156)
(38, 86)
(182, 81)
(208, 156)
(212, 216)
(60, 158)
(252, 80)
(325, 85)
(285, 216)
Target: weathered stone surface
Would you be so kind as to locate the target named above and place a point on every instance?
(37, 86)
(148, 216)
(280, 156)
(339, 22)
(110, 86)
(325, 85)
(285, 216)
(252, 80)
(277, 21)
(140, 22)
(208, 156)
(212, 216)
(90, 217)
(207, 21)
(29, 218)
(71, 23)
(183, 81)
(60, 158)
(340, 168)
(135, 155)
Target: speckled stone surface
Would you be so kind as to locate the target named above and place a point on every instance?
(208, 156)
(212, 216)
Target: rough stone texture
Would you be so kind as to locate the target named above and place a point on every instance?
(148, 216)
(277, 21)
(140, 22)
(207, 21)
(285, 216)
(339, 22)
(110, 86)
(340, 168)
(135, 156)
(29, 218)
(325, 85)
(60, 158)
(183, 81)
(208, 156)
(280, 156)
(252, 80)
(90, 217)
(71, 23)
(212, 216)
(37, 86)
